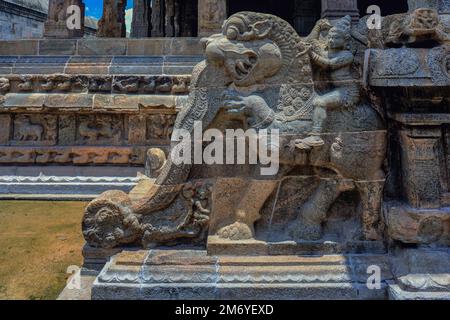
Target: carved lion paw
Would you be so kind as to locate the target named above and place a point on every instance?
(233, 102)
(301, 230)
(236, 231)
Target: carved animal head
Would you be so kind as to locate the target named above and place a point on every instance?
(255, 48)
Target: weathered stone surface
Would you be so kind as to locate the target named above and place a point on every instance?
(411, 225)
(187, 274)
(137, 65)
(112, 23)
(211, 14)
(102, 47)
(56, 25)
(148, 47)
(422, 272)
(19, 47)
(141, 23)
(88, 65)
(40, 64)
(52, 47)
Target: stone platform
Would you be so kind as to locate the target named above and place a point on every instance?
(192, 274)
(171, 274)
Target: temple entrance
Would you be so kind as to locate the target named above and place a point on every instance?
(301, 14)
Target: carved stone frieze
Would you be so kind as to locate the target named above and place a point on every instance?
(64, 83)
(35, 128)
(100, 129)
(73, 155)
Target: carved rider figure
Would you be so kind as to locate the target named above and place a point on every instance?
(338, 61)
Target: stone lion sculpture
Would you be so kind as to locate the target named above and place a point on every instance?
(257, 74)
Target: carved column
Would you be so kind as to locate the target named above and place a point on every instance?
(158, 8)
(64, 21)
(306, 13)
(112, 23)
(169, 18)
(332, 9)
(188, 18)
(140, 25)
(211, 15)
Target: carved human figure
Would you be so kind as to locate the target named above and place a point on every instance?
(338, 60)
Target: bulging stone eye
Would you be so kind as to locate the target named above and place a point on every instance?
(232, 34)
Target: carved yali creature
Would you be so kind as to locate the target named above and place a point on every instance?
(257, 71)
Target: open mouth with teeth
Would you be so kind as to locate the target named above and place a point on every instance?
(243, 67)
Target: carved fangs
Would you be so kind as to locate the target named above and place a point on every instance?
(243, 68)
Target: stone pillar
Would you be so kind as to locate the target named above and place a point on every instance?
(141, 23)
(169, 18)
(188, 18)
(158, 8)
(112, 23)
(61, 22)
(211, 15)
(332, 9)
(306, 13)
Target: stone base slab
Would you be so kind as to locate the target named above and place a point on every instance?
(192, 274)
(397, 293)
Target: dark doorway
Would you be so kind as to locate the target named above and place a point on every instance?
(301, 14)
(387, 7)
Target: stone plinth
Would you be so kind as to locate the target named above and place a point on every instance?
(192, 274)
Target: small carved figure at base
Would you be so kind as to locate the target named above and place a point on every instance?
(310, 142)
(236, 231)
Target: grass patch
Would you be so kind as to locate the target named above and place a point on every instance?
(38, 241)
